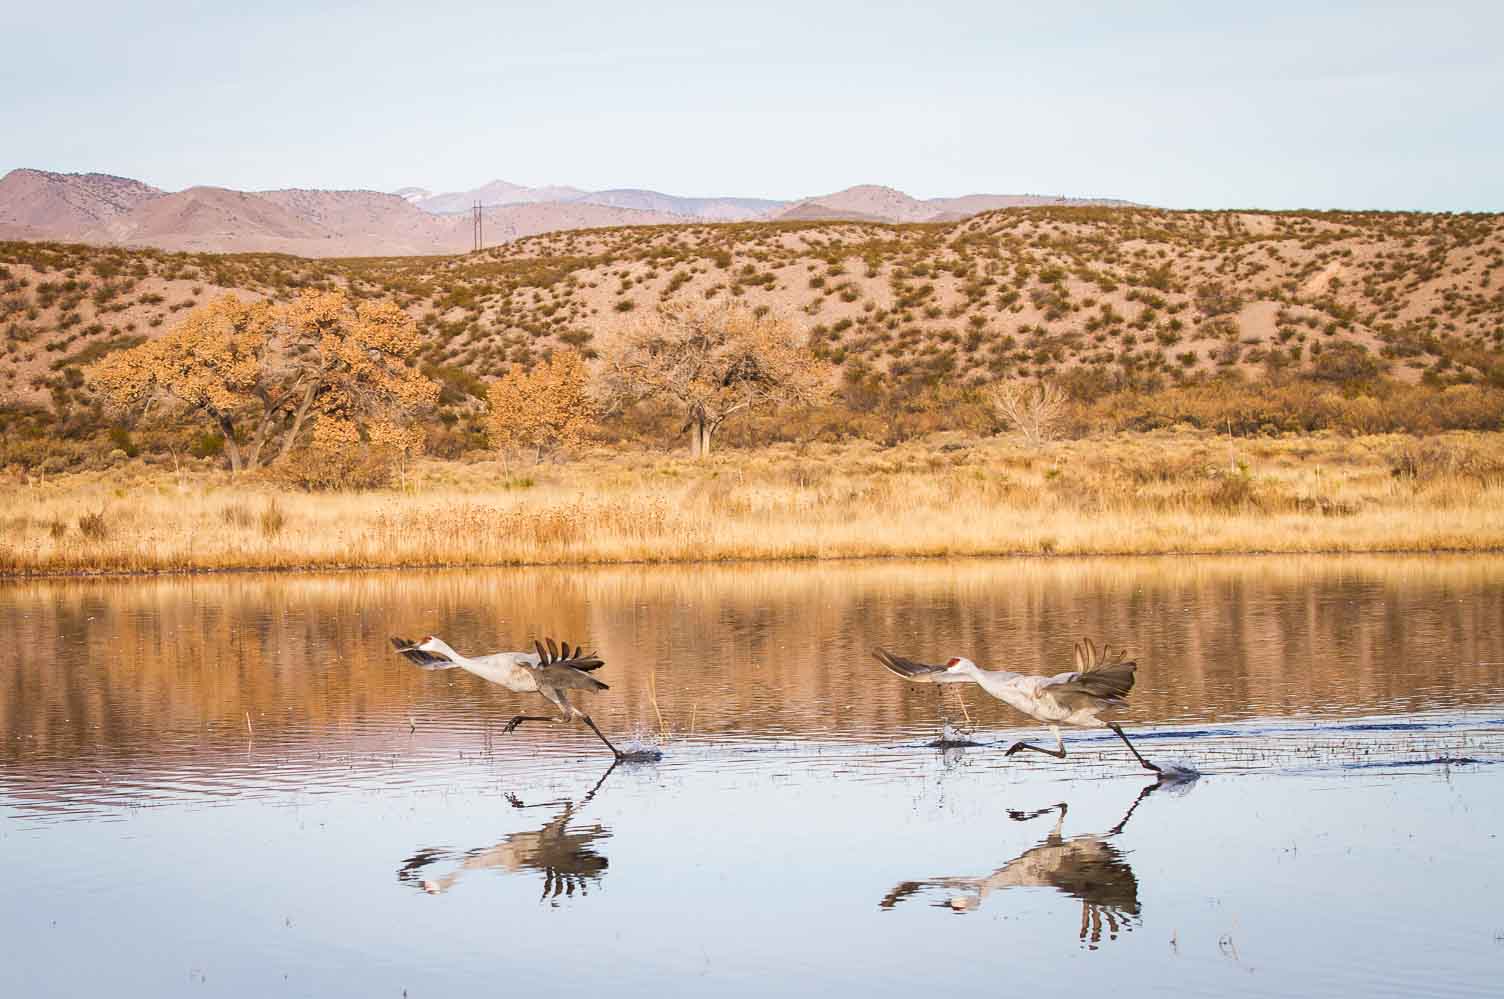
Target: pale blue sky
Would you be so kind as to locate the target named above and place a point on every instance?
(1271, 105)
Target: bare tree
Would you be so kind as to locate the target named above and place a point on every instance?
(714, 361)
(1034, 411)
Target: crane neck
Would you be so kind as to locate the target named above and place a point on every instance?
(449, 653)
(971, 669)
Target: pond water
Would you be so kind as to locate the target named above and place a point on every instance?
(232, 786)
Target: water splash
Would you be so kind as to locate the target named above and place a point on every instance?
(952, 737)
(636, 750)
(1178, 776)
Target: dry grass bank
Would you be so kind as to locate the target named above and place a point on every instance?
(1179, 492)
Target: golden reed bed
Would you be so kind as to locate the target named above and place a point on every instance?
(948, 496)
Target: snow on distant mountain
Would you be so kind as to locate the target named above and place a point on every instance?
(413, 195)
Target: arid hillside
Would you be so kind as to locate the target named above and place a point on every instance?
(875, 203)
(1099, 300)
(117, 211)
(1120, 294)
(38, 204)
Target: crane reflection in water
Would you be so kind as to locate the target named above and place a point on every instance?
(1087, 867)
(566, 856)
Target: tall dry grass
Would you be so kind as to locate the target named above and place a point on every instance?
(1128, 494)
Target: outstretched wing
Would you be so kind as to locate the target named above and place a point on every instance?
(563, 655)
(565, 667)
(415, 655)
(1101, 678)
(916, 671)
(564, 678)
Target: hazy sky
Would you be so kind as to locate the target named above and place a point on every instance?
(1269, 105)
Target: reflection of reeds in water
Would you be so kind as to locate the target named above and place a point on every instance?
(741, 650)
(1139, 495)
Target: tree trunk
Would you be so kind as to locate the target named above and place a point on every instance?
(227, 427)
(257, 442)
(700, 430)
(298, 416)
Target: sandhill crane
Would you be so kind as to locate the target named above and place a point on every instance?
(1086, 867)
(567, 857)
(1099, 683)
(550, 671)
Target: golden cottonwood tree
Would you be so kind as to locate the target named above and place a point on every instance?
(546, 407)
(714, 361)
(261, 373)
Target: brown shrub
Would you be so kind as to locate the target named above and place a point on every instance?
(93, 527)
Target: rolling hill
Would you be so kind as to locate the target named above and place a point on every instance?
(67, 204)
(104, 209)
(708, 209)
(872, 202)
(497, 192)
(1101, 298)
(101, 209)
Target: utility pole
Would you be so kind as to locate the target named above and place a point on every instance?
(477, 233)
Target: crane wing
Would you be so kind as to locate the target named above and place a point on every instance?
(564, 677)
(916, 671)
(415, 655)
(562, 655)
(1101, 678)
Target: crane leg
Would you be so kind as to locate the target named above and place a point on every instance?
(1017, 747)
(618, 753)
(1143, 762)
(512, 725)
(1058, 752)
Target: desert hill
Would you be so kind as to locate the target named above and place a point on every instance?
(708, 209)
(68, 204)
(500, 192)
(497, 192)
(1101, 298)
(99, 208)
(872, 202)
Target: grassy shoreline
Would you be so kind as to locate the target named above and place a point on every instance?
(946, 496)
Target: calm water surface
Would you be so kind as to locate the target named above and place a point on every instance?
(231, 786)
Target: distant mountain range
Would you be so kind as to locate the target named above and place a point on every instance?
(101, 208)
(864, 203)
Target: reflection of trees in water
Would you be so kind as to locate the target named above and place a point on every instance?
(749, 648)
(566, 857)
(1087, 867)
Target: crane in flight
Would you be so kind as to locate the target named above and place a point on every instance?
(551, 671)
(1099, 683)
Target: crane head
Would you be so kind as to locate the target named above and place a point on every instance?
(959, 664)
